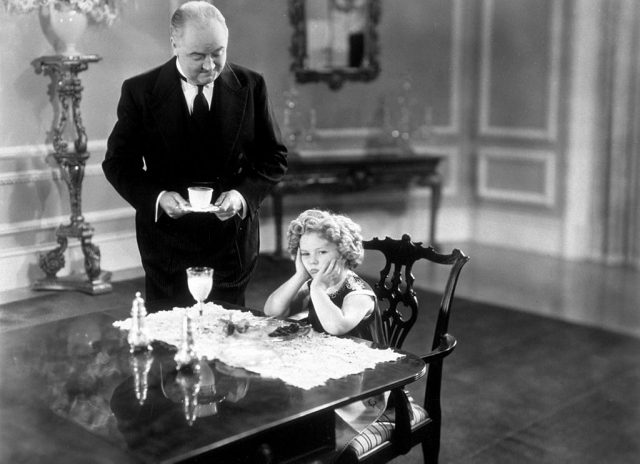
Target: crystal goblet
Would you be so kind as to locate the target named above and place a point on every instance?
(200, 282)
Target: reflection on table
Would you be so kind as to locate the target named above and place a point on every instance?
(176, 402)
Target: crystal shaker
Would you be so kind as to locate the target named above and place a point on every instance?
(138, 337)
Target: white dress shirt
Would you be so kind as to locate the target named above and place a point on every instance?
(190, 90)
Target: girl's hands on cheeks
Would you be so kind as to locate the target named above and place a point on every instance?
(329, 275)
(300, 269)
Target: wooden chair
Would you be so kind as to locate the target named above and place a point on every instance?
(393, 436)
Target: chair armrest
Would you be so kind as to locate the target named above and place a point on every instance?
(447, 344)
(401, 436)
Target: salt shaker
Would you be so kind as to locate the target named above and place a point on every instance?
(138, 337)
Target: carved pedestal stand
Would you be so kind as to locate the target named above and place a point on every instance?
(64, 70)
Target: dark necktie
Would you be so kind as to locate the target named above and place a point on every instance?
(200, 107)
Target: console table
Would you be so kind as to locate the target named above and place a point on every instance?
(340, 174)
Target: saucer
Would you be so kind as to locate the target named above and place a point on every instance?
(207, 209)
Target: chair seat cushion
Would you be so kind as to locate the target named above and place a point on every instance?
(381, 430)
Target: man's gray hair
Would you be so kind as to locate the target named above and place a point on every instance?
(195, 10)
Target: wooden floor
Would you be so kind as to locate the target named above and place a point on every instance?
(568, 431)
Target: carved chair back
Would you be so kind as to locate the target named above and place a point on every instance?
(394, 288)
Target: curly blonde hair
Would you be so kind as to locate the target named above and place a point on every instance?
(335, 228)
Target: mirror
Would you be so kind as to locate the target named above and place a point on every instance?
(334, 40)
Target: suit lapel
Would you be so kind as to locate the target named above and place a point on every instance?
(169, 109)
(168, 106)
(231, 103)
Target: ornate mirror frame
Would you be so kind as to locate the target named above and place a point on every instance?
(334, 76)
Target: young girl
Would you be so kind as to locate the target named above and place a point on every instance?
(327, 248)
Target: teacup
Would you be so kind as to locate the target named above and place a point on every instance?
(200, 197)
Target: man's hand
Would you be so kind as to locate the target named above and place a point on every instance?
(173, 204)
(229, 204)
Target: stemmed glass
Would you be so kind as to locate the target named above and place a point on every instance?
(200, 281)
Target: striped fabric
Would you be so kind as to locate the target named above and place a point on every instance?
(380, 431)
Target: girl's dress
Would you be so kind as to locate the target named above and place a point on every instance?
(370, 327)
(355, 417)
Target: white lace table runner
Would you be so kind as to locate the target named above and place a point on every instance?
(305, 361)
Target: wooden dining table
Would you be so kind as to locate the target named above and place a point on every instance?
(71, 391)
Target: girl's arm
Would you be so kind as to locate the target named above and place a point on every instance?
(336, 320)
(280, 301)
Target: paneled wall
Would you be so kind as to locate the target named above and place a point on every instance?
(495, 79)
(519, 138)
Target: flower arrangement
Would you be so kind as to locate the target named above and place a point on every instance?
(100, 11)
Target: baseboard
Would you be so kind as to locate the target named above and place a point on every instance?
(24, 293)
(538, 233)
(119, 253)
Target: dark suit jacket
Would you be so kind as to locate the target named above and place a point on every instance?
(148, 152)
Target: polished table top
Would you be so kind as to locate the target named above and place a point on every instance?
(72, 389)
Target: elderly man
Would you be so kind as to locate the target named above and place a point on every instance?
(195, 121)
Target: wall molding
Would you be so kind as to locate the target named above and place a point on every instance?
(35, 249)
(42, 150)
(549, 132)
(545, 157)
(22, 152)
(45, 224)
(37, 175)
(348, 132)
(346, 152)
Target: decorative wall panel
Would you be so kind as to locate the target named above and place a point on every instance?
(519, 68)
(443, 54)
(517, 175)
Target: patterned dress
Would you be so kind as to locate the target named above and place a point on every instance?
(355, 417)
(369, 328)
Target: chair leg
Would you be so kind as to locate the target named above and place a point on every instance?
(431, 444)
(431, 449)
